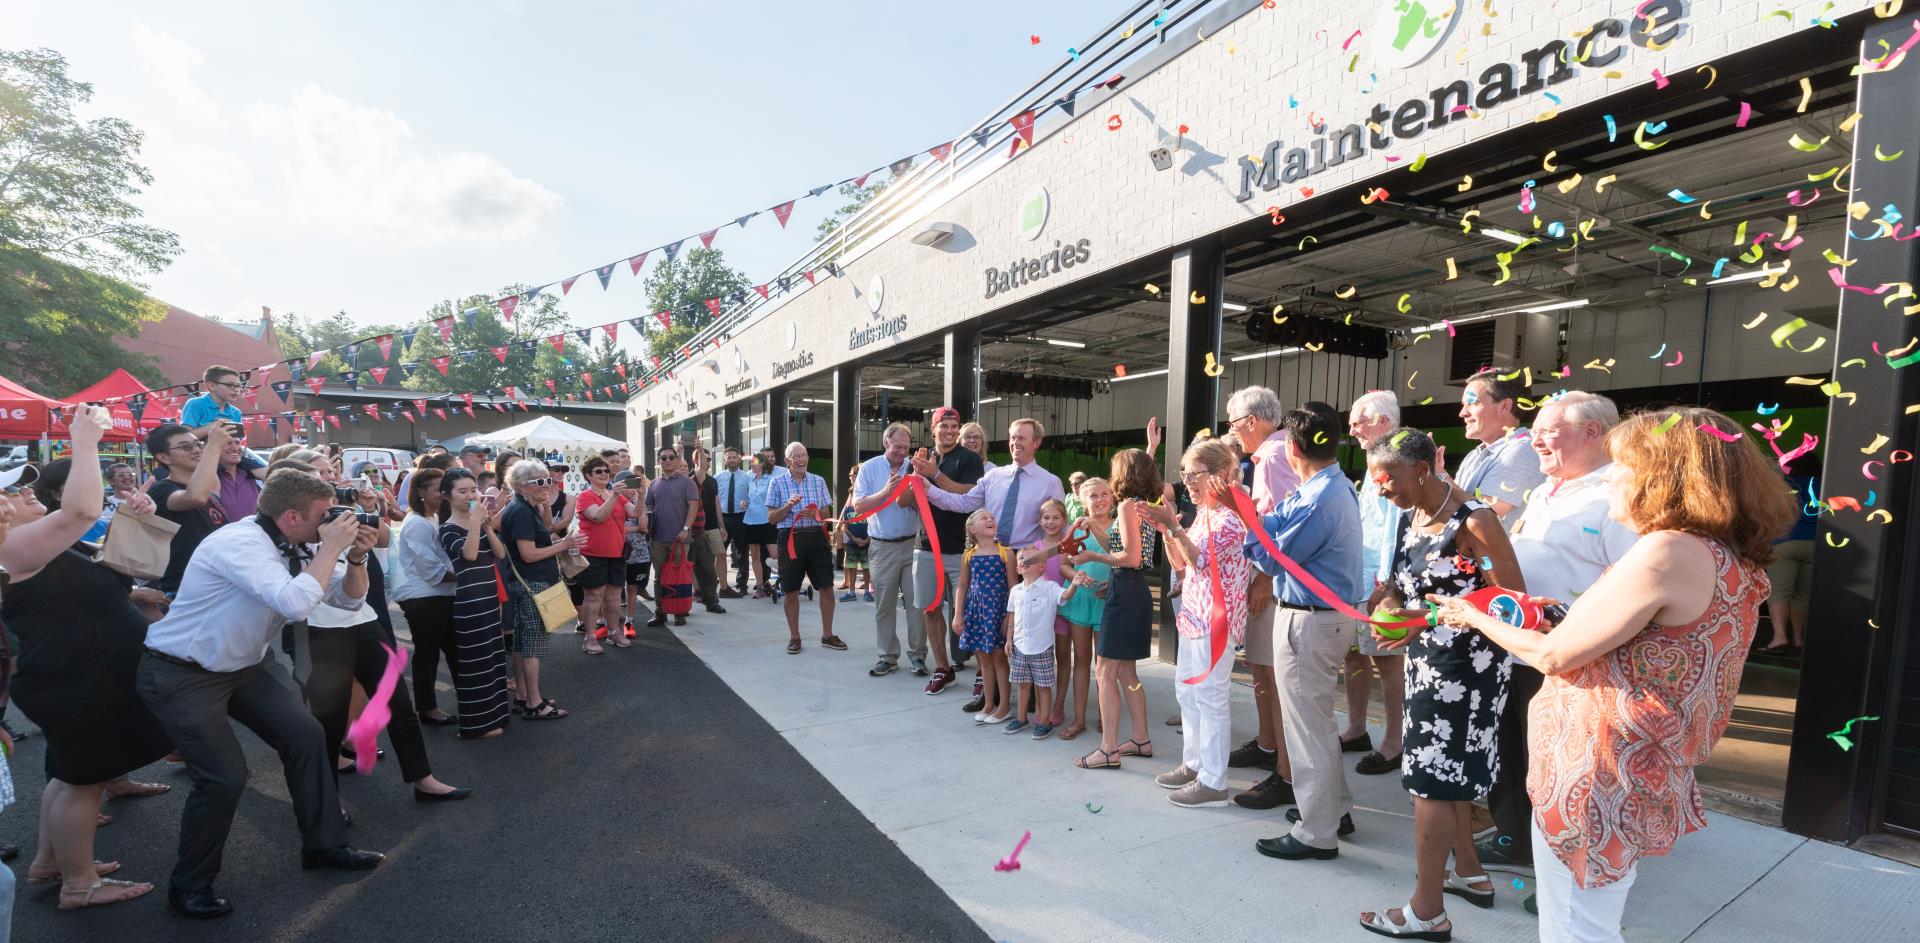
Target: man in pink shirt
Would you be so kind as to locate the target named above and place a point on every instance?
(1253, 416)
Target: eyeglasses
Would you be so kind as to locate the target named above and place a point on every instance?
(1189, 475)
(1231, 421)
(229, 384)
(194, 446)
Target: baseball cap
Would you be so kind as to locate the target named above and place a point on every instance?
(943, 414)
(473, 450)
(19, 476)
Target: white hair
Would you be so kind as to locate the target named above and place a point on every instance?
(796, 444)
(1378, 404)
(525, 471)
(1256, 401)
(1580, 406)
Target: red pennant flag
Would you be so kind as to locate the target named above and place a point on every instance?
(613, 332)
(716, 343)
(446, 328)
(1023, 126)
(468, 398)
(420, 406)
(941, 152)
(550, 388)
(762, 289)
(809, 274)
(559, 342)
(386, 346)
(440, 364)
(637, 261)
(656, 360)
(706, 238)
(470, 412)
(512, 392)
(586, 379)
(313, 383)
(507, 305)
(437, 411)
(713, 305)
(335, 420)
(372, 410)
(566, 284)
(783, 211)
(253, 396)
(313, 359)
(666, 320)
(861, 180)
(620, 368)
(379, 374)
(589, 394)
(500, 353)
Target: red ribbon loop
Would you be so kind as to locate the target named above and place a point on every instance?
(1243, 505)
(917, 485)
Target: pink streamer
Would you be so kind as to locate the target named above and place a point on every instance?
(1012, 861)
(1793, 197)
(1719, 433)
(1807, 444)
(1746, 114)
(365, 732)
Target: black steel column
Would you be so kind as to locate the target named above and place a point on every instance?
(777, 428)
(649, 441)
(730, 428)
(961, 385)
(846, 430)
(717, 433)
(1198, 280)
(1864, 595)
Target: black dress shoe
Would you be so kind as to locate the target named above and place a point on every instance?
(1359, 744)
(1292, 849)
(716, 608)
(973, 706)
(459, 792)
(439, 721)
(1271, 793)
(341, 858)
(1250, 754)
(9, 852)
(347, 752)
(658, 621)
(1346, 822)
(202, 904)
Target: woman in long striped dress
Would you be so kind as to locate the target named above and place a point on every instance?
(481, 683)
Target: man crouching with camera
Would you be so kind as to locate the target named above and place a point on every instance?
(208, 661)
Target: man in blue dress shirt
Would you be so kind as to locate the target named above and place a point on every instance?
(1318, 526)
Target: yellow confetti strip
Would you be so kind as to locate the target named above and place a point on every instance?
(1452, 271)
(1799, 143)
(1415, 374)
(1195, 297)
(1213, 369)
(1344, 292)
(1403, 303)
(1571, 183)
(1881, 155)
(1600, 185)
(1806, 95)
(1153, 289)
(1640, 138)
(1466, 183)
(1547, 162)
(1750, 325)
(1703, 210)
(1875, 445)
(1846, 127)
(1884, 10)
(1712, 74)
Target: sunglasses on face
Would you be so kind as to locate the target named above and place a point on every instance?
(601, 471)
(538, 482)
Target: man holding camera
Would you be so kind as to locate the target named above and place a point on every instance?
(189, 494)
(208, 661)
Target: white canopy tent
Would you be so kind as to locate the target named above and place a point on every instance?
(545, 436)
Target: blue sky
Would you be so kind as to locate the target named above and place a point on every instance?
(379, 157)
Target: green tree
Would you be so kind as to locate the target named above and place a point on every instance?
(536, 322)
(70, 237)
(299, 337)
(60, 325)
(857, 200)
(683, 287)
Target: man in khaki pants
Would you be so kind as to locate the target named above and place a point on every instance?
(1319, 527)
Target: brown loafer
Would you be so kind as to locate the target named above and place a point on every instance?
(833, 642)
(793, 647)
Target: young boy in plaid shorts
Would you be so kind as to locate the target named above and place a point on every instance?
(1031, 606)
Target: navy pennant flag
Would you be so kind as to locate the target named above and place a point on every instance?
(672, 250)
(406, 338)
(467, 355)
(281, 389)
(352, 351)
(352, 378)
(531, 294)
(1066, 104)
(605, 274)
(586, 337)
(900, 166)
(294, 369)
(406, 369)
(639, 324)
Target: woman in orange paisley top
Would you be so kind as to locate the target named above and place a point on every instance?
(1642, 672)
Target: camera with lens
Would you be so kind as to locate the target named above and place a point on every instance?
(365, 518)
(346, 495)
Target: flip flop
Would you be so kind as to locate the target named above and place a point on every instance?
(793, 647)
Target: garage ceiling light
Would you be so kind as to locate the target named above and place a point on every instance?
(1744, 276)
(1503, 235)
(1060, 343)
(889, 386)
(994, 399)
(1141, 376)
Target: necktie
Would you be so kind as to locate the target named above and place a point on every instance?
(731, 504)
(1004, 532)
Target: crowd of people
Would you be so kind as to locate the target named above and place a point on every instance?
(1272, 553)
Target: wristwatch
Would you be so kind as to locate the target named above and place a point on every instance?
(360, 562)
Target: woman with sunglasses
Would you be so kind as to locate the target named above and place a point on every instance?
(81, 638)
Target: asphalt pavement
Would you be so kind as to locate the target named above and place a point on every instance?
(663, 809)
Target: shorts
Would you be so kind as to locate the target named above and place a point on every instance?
(1038, 670)
(812, 559)
(923, 580)
(762, 534)
(637, 573)
(856, 557)
(530, 636)
(1259, 641)
(601, 572)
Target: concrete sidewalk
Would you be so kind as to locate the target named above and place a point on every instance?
(956, 797)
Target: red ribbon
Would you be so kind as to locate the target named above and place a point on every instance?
(1217, 628)
(917, 485)
(1243, 505)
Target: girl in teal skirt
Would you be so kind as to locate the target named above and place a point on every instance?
(1083, 611)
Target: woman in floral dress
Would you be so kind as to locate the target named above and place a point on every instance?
(1448, 545)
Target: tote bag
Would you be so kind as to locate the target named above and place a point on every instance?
(676, 582)
(139, 545)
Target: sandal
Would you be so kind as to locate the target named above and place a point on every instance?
(100, 869)
(519, 706)
(1413, 928)
(1107, 760)
(833, 642)
(1374, 764)
(546, 710)
(1142, 750)
(1463, 887)
(793, 646)
(1068, 733)
(134, 790)
(103, 821)
(85, 898)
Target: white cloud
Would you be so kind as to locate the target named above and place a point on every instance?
(168, 62)
(358, 171)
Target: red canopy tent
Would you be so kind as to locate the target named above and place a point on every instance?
(25, 414)
(119, 386)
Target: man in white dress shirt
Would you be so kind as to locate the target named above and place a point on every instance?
(208, 662)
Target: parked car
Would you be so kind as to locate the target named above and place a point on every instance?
(391, 462)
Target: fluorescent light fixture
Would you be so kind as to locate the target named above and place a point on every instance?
(1744, 276)
(994, 399)
(887, 386)
(827, 402)
(1232, 306)
(1141, 376)
(1262, 356)
(1060, 343)
(1557, 306)
(799, 409)
(1503, 235)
